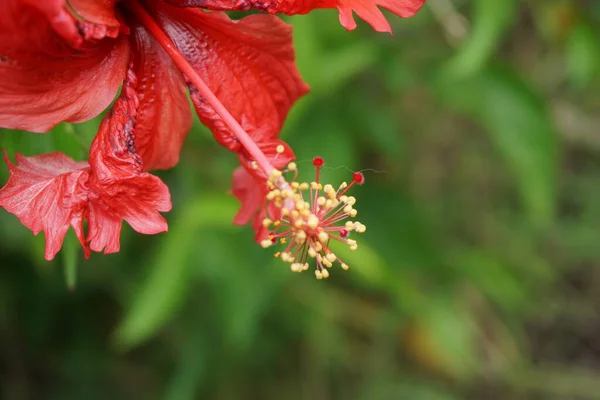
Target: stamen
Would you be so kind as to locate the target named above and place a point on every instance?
(309, 227)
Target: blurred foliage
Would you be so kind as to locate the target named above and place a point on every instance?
(476, 125)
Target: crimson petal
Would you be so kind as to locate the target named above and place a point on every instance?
(48, 193)
(101, 12)
(43, 79)
(164, 117)
(250, 192)
(248, 64)
(120, 188)
(52, 192)
(366, 9)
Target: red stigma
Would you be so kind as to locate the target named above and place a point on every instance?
(358, 177)
(272, 237)
(318, 162)
(344, 233)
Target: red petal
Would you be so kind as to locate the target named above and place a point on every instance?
(164, 117)
(51, 192)
(47, 193)
(122, 191)
(43, 80)
(101, 12)
(248, 64)
(366, 9)
(46, 14)
(250, 192)
(260, 231)
(249, 186)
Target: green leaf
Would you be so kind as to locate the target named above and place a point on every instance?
(519, 126)
(451, 330)
(167, 283)
(491, 19)
(583, 55)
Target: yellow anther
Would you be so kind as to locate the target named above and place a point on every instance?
(280, 149)
(292, 166)
(300, 237)
(331, 257)
(314, 185)
(283, 240)
(345, 267)
(312, 221)
(325, 274)
(287, 257)
(348, 209)
(276, 223)
(318, 247)
(344, 198)
(312, 253)
(294, 214)
(299, 223)
(343, 186)
(304, 186)
(276, 255)
(321, 201)
(254, 165)
(294, 185)
(328, 189)
(318, 274)
(349, 226)
(300, 205)
(327, 263)
(351, 200)
(323, 237)
(353, 213)
(329, 204)
(267, 222)
(266, 243)
(275, 173)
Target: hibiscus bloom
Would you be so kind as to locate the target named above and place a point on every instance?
(60, 63)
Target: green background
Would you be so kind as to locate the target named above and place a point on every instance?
(477, 125)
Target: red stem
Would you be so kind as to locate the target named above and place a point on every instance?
(184, 66)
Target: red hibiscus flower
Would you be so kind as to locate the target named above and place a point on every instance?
(67, 65)
(366, 9)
